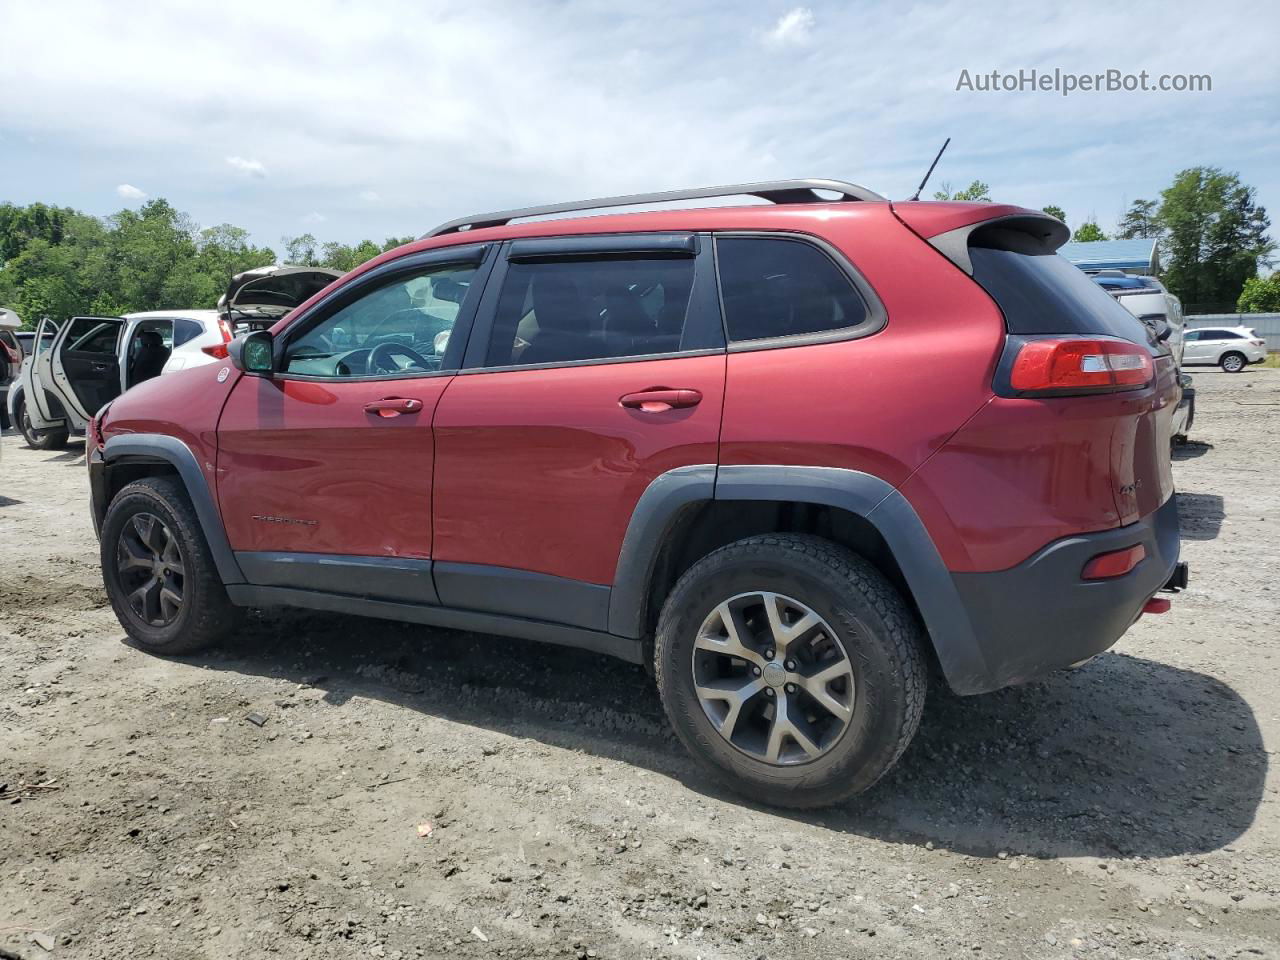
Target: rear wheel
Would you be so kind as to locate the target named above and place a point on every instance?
(158, 571)
(1233, 362)
(790, 667)
(54, 438)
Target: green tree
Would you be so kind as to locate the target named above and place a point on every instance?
(301, 251)
(1058, 212)
(1260, 295)
(1088, 232)
(974, 191)
(1214, 235)
(1140, 221)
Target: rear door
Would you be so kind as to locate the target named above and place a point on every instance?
(85, 363)
(596, 364)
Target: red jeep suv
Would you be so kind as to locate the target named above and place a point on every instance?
(788, 455)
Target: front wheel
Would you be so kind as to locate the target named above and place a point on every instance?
(790, 667)
(159, 574)
(54, 438)
(1233, 362)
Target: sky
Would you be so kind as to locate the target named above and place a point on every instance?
(353, 120)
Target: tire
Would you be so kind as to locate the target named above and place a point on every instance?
(1233, 362)
(172, 560)
(54, 438)
(859, 615)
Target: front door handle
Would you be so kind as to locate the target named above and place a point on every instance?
(393, 406)
(99, 367)
(660, 399)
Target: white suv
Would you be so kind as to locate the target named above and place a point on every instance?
(77, 366)
(1231, 348)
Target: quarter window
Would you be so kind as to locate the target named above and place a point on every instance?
(571, 310)
(773, 287)
(399, 328)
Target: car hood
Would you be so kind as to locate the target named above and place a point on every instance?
(268, 293)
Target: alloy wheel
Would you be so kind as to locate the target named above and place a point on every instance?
(152, 573)
(1233, 364)
(773, 678)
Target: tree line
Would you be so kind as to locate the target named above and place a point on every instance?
(58, 262)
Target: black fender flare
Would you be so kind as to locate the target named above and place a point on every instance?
(945, 618)
(156, 446)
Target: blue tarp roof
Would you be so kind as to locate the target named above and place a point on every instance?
(1112, 254)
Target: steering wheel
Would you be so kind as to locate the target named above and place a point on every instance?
(380, 358)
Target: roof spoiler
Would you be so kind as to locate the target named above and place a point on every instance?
(1012, 228)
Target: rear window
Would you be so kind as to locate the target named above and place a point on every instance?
(185, 331)
(1040, 292)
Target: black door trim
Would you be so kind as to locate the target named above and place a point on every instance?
(523, 593)
(389, 578)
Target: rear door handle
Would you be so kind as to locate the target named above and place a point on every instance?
(660, 399)
(99, 367)
(393, 406)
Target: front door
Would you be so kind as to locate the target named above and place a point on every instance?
(41, 409)
(596, 365)
(324, 469)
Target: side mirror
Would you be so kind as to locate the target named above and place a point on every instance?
(253, 353)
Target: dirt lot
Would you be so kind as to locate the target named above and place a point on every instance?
(1128, 809)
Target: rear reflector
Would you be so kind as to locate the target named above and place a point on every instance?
(1062, 366)
(1157, 605)
(1114, 564)
(219, 351)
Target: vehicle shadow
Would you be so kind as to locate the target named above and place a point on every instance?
(1125, 756)
(1190, 450)
(1200, 515)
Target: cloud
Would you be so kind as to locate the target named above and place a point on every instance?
(795, 27)
(370, 196)
(451, 110)
(252, 168)
(314, 217)
(130, 192)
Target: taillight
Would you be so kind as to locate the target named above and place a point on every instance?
(1114, 564)
(225, 329)
(1061, 366)
(218, 351)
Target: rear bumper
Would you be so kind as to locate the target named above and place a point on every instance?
(1040, 616)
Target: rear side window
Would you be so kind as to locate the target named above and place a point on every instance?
(562, 311)
(1040, 292)
(185, 331)
(91, 335)
(1225, 335)
(775, 287)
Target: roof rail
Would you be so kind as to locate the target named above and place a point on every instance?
(776, 191)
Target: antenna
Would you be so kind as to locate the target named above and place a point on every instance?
(916, 195)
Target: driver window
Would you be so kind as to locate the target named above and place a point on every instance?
(400, 328)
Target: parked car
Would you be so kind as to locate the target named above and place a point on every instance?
(255, 299)
(82, 364)
(26, 339)
(1148, 300)
(10, 359)
(1231, 348)
(703, 440)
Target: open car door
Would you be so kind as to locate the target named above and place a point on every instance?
(85, 364)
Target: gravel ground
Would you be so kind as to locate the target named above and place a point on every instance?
(1125, 810)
